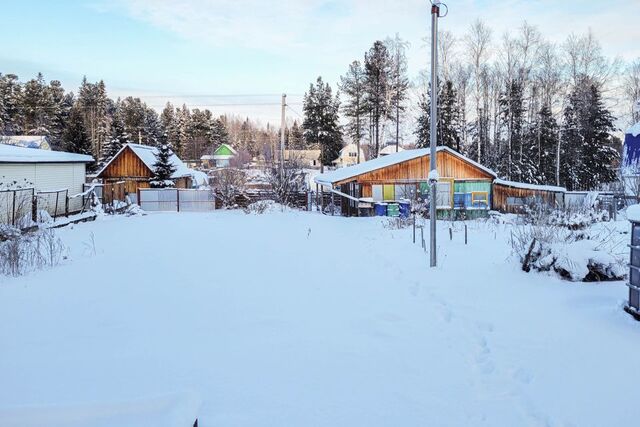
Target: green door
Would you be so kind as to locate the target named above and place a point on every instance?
(389, 192)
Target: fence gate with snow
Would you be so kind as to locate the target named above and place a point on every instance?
(176, 200)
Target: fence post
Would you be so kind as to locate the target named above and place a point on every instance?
(13, 209)
(34, 206)
(138, 194)
(66, 204)
(55, 210)
(178, 199)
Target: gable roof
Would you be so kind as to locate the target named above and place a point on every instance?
(224, 150)
(147, 154)
(14, 154)
(27, 141)
(329, 178)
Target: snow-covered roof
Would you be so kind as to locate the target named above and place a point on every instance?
(147, 154)
(530, 186)
(27, 141)
(342, 174)
(391, 149)
(14, 154)
(634, 130)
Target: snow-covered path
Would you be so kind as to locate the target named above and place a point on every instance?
(303, 319)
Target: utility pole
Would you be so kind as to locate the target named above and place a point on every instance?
(433, 134)
(282, 130)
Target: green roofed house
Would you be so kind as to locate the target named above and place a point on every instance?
(223, 155)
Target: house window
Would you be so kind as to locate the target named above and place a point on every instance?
(376, 192)
(443, 195)
(515, 201)
(353, 154)
(480, 199)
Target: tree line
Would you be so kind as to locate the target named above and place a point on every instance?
(90, 122)
(532, 110)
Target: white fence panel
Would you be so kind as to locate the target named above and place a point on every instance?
(159, 199)
(192, 200)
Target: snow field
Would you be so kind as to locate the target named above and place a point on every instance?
(294, 318)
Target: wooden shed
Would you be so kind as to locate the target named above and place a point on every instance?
(463, 183)
(133, 164)
(513, 197)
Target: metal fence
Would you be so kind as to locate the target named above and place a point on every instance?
(176, 200)
(16, 206)
(56, 203)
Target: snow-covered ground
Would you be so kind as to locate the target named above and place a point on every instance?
(303, 319)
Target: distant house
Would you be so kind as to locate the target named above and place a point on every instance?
(223, 155)
(45, 170)
(26, 141)
(349, 156)
(390, 149)
(133, 164)
(308, 158)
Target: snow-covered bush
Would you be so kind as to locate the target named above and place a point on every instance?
(22, 253)
(397, 223)
(229, 183)
(286, 181)
(265, 206)
(575, 251)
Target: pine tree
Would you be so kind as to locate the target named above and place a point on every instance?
(377, 67)
(353, 85)
(61, 108)
(321, 126)
(37, 106)
(296, 138)
(448, 118)
(219, 133)
(544, 136)
(118, 137)
(11, 94)
(94, 103)
(75, 138)
(163, 168)
(589, 152)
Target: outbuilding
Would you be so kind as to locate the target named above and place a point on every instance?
(514, 197)
(134, 165)
(463, 183)
(45, 171)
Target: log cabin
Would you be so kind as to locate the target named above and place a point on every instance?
(133, 164)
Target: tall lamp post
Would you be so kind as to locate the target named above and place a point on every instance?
(433, 134)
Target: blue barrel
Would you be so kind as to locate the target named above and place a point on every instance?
(405, 209)
(381, 209)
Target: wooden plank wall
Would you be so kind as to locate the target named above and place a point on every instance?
(448, 165)
(126, 165)
(502, 192)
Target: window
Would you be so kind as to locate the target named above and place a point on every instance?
(351, 154)
(443, 195)
(389, 192)
(480, 199)
(515, 201)
(376, 192)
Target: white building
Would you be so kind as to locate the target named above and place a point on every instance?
(43, 170)
(349, 156)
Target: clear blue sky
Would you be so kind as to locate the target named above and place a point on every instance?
(233, 47)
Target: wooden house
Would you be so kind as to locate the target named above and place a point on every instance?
(463, 183)
(513, 197)
(133, 164)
